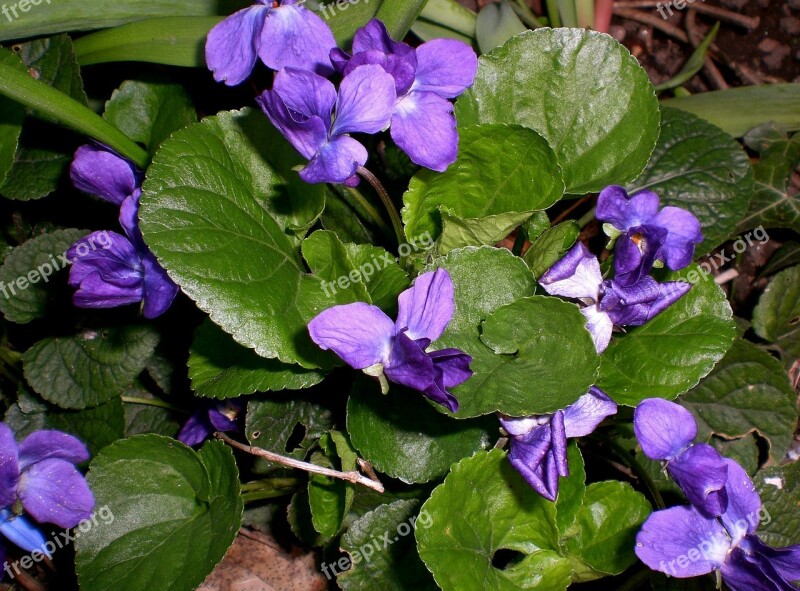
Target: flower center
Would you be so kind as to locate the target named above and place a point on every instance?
(640, 241)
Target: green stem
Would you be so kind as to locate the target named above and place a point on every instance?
(387, 202)
(267, 494)
(568, 12)
(526, 14)
(371, 211)
(151, 402)
(587, 217)
(585, 12)
(48, 101)
(552, 13)
(270, 484)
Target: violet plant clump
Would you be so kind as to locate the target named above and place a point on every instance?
(690, 541)
(541, 406)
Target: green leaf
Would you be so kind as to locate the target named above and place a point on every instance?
(398, 16)
(670, 354)
(404, 437)
(96, 427)
(26, 274)
(579, 89)
(149, 112)
(747, 391)
(550, 246)
(732, 110)
(698, 167)
(52, 60)
(774, 204)
(27, 414)
(354, 272)
(82, 15)
(607, 524)
(777, 314)
(497, 23)
(220, 368)
(500, 169)
(168, 40)
(56, 106)
(141, 419)
(458, 232)
(35, 173)
(344, 216)
(538, 336)
(274, 425)
(694, 64)
(484, 280)
(571, 491)
(446, 18)
(745, 450)
(175, 514)
(11, 116)
(89, 368)
(482, 507)
(329, 498)
(786, 256)
(42, 157)
(224, 188)
(392, 565)
(779, 489)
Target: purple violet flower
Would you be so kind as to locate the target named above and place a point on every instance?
(123, 271)
(682, 542)
(539, 443)
(317, 120)
(221, 416)
(426, 78)
(18, 530)
(367, 339)
(607, 303)
(666, 431)
(283, 34)
(646, 234)
(40, 474)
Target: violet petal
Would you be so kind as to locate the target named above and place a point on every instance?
(358, 333)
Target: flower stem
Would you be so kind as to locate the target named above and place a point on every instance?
(387, 202)
(269, 484)
(151, 402)
(370, 210)
(587, 217)
(354, 477)
(260, 495)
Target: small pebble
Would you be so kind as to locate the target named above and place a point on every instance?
(617, 32)
(769, 45)
(791, 25)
